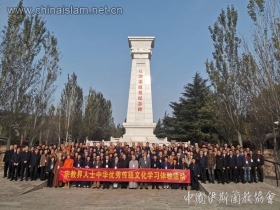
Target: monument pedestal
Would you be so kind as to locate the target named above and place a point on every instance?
(139, 133)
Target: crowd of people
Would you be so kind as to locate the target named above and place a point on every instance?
(212, 163)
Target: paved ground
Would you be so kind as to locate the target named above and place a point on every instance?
(11, 197)
(15, 188)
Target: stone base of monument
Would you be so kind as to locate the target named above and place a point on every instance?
(143, 139)
(142, 132)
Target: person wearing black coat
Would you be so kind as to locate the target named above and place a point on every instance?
(260, 165)
(16, 161)
(49, 169)
(78, 163)
(87, 164)
(220, 167)
(202, 162)
(239, 167)
(106, 164)
(195, 173)
(25, 161)
(123, 163)
(226, 171)
(8, 162)
(253, 167)
(34, 164)
(155, 164)
(231, 162)
(175, 165)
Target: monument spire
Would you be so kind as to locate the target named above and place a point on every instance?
(139, 125)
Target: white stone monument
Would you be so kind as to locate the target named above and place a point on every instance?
(139, 125)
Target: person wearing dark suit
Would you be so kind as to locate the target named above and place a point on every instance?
(87, 164)
(253, 167)
(16, 161)
(239, 167)
(165, 165)
(25, 160)
(106, 164)
(231, 162)
(34, 164)
(78, 163)
(260, 165)
(226, 171)
(123, 163)
(8, 162)
(49, 169)
(220, 167)
(202, 162)
(195, 173)
(155, 165)
(144, 162)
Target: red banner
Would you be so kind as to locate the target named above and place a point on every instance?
(125, 175)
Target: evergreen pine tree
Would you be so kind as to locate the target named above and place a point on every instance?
(192, 116)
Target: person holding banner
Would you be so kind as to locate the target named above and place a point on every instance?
(165, 165)
(97, 164)
(133, 164)
(68, 163)
(155, 164)
(194, 167)
(88, 164)
(123, 163)
(174, 165)
(144, 162)
(115, 165)
(184, 167)
(78, 163)
(106, 164)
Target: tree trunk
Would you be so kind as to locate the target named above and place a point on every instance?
(239, 138)
(275, 151)
(275, 146)
(9, 138)
(48, 134)
(59, 126)
(40, 137)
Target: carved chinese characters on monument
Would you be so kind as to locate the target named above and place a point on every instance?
(140, 90)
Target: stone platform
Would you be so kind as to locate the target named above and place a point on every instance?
(13, 195)
(16, 188)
